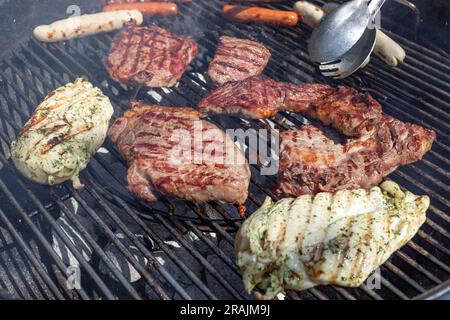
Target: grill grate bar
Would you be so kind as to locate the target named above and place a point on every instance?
(418, 267)
(164, 247)
(429, 256)
(393, 289)
(67, 242)
(150, 279)
(200, 258)
(140, 246)
(98, 249)
(404, 276)
(37, 233)
(30, 255)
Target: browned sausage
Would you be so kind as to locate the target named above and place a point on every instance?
(147, 8)
(263, 15)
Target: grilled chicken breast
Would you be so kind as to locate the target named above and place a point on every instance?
(327, 238)
(63, 134)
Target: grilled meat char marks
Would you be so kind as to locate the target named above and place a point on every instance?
(256, 98)
(63, 133)
(237, 59)
(147, 137)
(310, 162)
(328, 238)
(349, 111)
(149, 56)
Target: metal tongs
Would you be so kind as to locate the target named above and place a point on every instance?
(345, 38)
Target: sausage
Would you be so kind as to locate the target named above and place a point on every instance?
(309, 13)
(263, 15)
(388, 50)
(385, 48)
(146, 8)
(85, 25)
(106, 2)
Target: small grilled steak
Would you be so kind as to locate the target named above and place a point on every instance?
(255, 98)
(261, 97)
(310, 162)
(158, 142)
(351, 112)
(149, 56)
(237, 60)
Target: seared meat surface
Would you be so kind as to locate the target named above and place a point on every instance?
(310, 162)
(149, 56)
(255, 98)
(158, 142)
(237, 59)
(349, 111)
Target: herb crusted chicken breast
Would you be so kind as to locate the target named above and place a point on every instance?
(65, 131)
(340, 238)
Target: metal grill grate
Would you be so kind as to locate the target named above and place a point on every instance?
(192, 256)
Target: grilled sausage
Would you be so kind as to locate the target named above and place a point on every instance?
(85, 25)
(146, 8)
(262, 15)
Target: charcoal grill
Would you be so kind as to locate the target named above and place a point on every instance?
(187, 247)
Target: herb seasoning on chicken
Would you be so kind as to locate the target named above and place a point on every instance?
(328, 238)
(65, 131)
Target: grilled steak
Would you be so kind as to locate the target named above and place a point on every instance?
(237, 59)
(256, 98)
(349, 111)
(310, 162)
(149, 56)
(158, 143)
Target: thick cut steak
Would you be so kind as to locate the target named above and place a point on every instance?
(237, 59)
(149, 56)
(310, 162)
(172, 151)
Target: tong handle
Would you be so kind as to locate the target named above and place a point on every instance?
(375, 6)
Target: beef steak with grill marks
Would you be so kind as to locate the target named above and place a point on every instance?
(351, 112)
(158, 142)
(310, 162)
(149, 56)
(237, 59)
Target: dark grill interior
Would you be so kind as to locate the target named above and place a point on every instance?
(182, 250)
